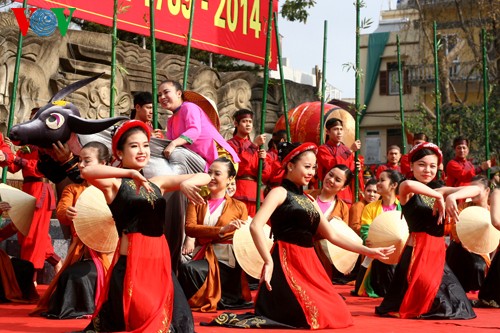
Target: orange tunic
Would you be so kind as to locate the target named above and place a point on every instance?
(207, 297)
(76, 251)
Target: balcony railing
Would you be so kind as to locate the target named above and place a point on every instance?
(458, 71)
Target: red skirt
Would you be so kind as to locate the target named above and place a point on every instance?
(148, 293)
(307, 280)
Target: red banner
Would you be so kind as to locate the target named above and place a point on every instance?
(236, 28)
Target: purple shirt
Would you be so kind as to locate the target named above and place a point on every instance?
(192, 124)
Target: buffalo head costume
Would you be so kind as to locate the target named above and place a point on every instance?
(57, 120)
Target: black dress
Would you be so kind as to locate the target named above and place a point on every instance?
(302, 294)
(24, 272)
(153, 286)
(74, 296)
(489, 294)
(423, 284)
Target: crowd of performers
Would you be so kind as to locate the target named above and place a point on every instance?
(137, 288)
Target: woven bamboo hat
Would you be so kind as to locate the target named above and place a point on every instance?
(389, 228)
(343, 260)
(23, 207)
(475, 231)
(246, 252)
(94, 223)
(206, 104)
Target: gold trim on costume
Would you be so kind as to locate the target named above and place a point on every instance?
(151, 197)
(311, 309)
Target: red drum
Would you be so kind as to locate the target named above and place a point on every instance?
(305, 121)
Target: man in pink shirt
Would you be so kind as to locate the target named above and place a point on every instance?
(190, 126)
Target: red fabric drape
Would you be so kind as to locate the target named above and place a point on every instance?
(424, 275)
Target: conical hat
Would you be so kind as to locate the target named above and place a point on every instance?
(94, 223)
(389, 228)
(343, 260)
(246, 252)
(23, 207)
(206, 104)
(475, 231)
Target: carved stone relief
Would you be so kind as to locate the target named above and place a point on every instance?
(50, 63)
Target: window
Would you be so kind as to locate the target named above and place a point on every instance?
(389, 82)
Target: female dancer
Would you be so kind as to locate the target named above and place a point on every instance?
(489, 294)
(139, 294)
(74, 291)
(297, 280)
(213, 279)
(369, 195)
(374, 277)
(423, 285)
(469, 268)
(336, 179)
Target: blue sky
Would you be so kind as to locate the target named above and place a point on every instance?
(303, 43)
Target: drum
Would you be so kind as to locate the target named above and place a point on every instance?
(305, 122)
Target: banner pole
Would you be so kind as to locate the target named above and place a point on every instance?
(401, 106)
(264, 95)
(437, 94)
(485, 99)
(14, 87)
(323, 87)
(154, 88)
(114, 40)
(188, 51)
(282, 77)
(357, 102)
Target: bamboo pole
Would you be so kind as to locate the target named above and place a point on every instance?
(188, 51)
(485, 99)
(13, 95)
(114, 40)
(323, 87)
(357, 102)
(154, 89)
(401, 106)
(264, 95)
(437, 93)
(282, 77)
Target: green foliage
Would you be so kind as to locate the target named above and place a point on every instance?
(296, 10)
(462, 120)
(366, 23)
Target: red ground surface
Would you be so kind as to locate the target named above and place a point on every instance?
(14, 318)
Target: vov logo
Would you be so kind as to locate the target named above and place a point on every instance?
(43, 22)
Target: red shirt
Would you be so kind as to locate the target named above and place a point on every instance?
(5, 148)
(387, 166)
(277, 170)
(405, 166)
(27, 162)
(248, 168)
(460, 172)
